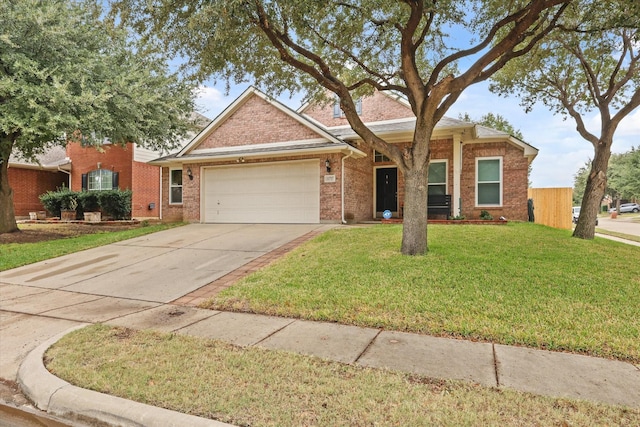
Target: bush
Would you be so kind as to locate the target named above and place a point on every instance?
(61, 199)
(486, 215)
(116, 203)
(88, 201)
(112, 203)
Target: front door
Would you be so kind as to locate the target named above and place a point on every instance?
(386, 191)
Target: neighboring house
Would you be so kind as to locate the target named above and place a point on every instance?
(81, 167)
(260, 161)
(29, 180)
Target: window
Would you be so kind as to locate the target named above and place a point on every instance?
(489, 181)
(437, 178)
(378, 157)
(101, 179)
(175, 186)
(337, 111)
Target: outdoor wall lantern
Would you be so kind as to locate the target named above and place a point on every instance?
(190, 174)
(327, 164)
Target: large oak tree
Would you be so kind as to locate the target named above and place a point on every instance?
(66, 74)
(351, 48)
(591, 62)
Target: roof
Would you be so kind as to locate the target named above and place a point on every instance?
(330, 139)
(54, 158)
(325, 143)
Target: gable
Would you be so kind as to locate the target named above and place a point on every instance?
(256, 121)
(377, 107)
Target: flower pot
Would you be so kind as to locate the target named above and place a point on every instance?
(92, 216)
(33, 215)
(67, 215)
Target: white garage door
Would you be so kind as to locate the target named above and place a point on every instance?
(287, 192)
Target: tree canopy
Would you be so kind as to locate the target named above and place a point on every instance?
(65, 74)
(352, 48)
(590, 63)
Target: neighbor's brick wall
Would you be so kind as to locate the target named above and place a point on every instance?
(257, 122)
(146, 189)
(515, 180)
(29, 184)
(115, 158)
(375, 108)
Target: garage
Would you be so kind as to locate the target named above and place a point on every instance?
(282, 192)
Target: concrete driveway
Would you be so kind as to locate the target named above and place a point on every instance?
(159, 267)
(103, 284)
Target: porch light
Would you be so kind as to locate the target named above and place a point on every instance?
(190, 174)
(327, 164)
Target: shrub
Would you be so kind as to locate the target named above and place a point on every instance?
(61, 199)
(116, 203)
(486, 215)
(113, 203)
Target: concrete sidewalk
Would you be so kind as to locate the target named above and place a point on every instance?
(492, 365)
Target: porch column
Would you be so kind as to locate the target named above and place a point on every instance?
(457, 171)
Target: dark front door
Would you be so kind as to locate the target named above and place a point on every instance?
(386, 191)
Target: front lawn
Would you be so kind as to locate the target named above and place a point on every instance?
(519, 283)
(258, 387)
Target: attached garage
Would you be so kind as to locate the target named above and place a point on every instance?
(281, 192)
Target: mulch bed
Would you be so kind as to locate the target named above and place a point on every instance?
(40, 231)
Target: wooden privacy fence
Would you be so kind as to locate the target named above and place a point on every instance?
(552, 206)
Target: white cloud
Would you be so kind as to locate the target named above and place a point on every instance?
(210, 100)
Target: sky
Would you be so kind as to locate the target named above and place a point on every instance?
(562, 151)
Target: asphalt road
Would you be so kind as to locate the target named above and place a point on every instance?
(624, 223)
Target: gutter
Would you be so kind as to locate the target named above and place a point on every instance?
(342, 184)
(67, 172)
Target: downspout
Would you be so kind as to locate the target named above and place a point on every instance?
(342, 184)
(68, 173)
(160, 198)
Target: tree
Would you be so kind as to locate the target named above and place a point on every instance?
(352, 48)
(580, 182)
(624, 175)
(67, 75)
(590, 62)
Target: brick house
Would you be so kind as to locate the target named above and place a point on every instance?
(85, 168)
(31, 179)
(260, 161)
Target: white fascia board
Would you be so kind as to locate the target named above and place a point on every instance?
(237, 148)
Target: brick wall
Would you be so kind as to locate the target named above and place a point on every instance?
(375, 108)
(116, 158)
(515, 180)
(257, 122)
(29, 184)
(146, 190)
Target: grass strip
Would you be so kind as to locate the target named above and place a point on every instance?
(14, 255)
(258, 387)
(631, 237)
(519, 283)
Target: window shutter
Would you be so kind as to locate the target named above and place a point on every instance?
(84, 182)
(114, 180)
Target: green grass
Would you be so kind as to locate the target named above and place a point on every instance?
(258, 387)
(620, 235)
(521, 284)
(14, 255)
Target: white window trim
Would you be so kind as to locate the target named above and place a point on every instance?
(446, 174)
(100, 172)
(171, 187)
(478, 160)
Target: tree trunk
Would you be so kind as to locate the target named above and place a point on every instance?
(414, 232)
(7, 213)
(594, 192)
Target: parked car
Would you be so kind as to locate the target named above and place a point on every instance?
(627, 207)
(575, 212)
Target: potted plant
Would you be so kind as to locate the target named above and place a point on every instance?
(68, 208)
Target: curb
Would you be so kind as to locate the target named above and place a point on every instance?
(57, 397)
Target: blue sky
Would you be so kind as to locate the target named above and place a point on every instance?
(562, 150)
